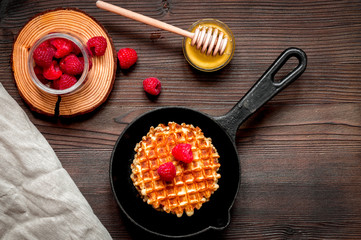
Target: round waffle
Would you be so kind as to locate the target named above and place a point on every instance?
(194, 182)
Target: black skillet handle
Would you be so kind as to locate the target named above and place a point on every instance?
(263, 90)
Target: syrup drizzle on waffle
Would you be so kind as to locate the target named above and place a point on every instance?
(194, 183)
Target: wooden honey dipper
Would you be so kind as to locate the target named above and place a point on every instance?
(213, 40)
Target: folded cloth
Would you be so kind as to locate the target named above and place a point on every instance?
(38, 198)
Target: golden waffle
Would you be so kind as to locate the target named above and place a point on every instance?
(194, 182)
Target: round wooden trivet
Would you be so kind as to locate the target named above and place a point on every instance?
(100, 78)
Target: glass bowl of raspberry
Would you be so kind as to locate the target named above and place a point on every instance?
(58, 63)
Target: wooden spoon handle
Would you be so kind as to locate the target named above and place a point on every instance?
(144, 19)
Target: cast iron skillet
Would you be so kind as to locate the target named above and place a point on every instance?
(214, 214)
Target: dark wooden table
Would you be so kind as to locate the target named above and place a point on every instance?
(300, 153)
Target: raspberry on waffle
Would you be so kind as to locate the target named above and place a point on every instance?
(194, 182)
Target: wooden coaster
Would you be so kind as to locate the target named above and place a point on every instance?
(100, 78)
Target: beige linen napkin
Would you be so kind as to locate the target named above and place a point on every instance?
(38, 198)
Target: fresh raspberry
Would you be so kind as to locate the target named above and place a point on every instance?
(45, 44)
(76, 49)
(97, 45)
(152, 86)
(127, 57)
(64, 82)
(71, 65)
(53, 72)
(43, 55)
(63, 46)
(90, 62)
(39, 74)
(183, 152)
(167, 171)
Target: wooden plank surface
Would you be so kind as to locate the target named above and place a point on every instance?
(300, 154)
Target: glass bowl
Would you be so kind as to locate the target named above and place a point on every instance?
(46, 87)
(202, 61)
